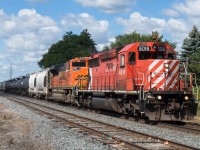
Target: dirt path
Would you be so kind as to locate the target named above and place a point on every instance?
(15, 132)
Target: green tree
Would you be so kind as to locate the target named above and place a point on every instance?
(125, 39)
(191, 43)
(191, 51)
(105, 48)
(71, 46)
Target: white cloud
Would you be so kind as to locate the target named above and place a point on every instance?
(141, 24)
(188, 7)
(1, 12)
(176, 28)
(31, 57)
(170, 12)
(108, 6)
(101, 46)
(28, 30)
(25, 37)
(177, 25)
(98, 29)
(2, 56)
(27, 20)
(188, 13)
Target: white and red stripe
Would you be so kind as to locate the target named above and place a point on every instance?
(157, 78)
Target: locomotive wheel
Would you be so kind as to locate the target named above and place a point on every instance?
(187, 113)
(137, 116)
(127, 116)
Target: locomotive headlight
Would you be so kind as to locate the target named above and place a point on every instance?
(166, 65)
(159, 97)
(186, 98)
(166, 70)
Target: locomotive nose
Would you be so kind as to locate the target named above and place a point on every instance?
(163, 75)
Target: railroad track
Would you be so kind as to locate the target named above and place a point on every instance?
(117, 137)
(188, 127)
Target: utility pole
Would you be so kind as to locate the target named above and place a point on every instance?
(10, 71)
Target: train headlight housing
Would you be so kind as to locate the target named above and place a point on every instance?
(166, 69)
(159, 97)
(186, 98)
(166, 65)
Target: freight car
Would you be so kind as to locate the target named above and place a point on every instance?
(2, 86)
(143, 79)
(17, 85)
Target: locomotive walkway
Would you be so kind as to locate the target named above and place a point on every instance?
(117, 137)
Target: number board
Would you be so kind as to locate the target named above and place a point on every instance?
(144, 48)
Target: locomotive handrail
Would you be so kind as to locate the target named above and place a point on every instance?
(79, 83)
(196, 86)
(142, 84)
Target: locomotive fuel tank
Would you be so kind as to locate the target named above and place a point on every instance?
(106, 104)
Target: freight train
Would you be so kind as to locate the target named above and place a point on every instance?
(142, 79)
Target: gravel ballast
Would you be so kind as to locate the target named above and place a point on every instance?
(49, 134)
(61, 138)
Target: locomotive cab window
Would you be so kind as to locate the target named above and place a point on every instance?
(144, 55)
(122, 60)
(78, 64)
(131, 58)
(160, 56)
(170, 56)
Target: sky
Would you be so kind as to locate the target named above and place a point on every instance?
(29, 27)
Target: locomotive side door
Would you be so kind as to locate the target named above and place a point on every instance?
(121, 74)
(131, 71)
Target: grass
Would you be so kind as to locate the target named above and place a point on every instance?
(198, 100)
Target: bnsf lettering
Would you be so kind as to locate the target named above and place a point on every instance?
(143, 48)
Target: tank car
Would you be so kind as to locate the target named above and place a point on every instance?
(11, 86)
(24, 85)
(143, 79)
(2, 86)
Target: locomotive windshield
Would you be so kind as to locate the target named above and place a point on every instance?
(78, 64)
(148, 55)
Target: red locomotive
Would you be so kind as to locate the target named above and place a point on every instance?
(143, 79)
